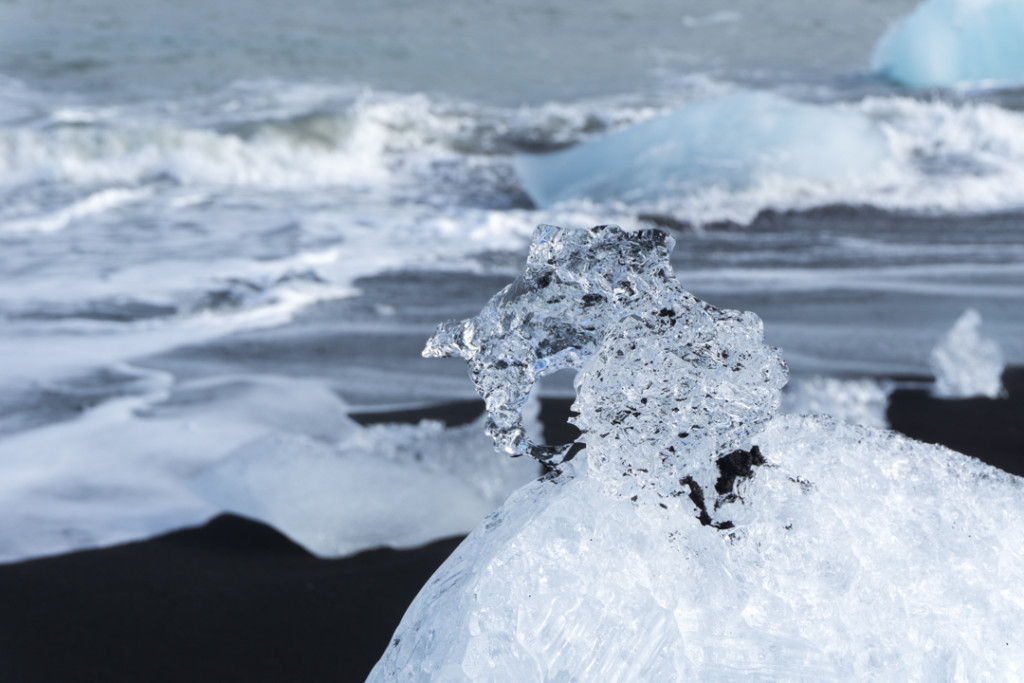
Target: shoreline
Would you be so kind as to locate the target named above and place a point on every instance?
(235, 599)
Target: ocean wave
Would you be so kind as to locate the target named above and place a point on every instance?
(725, 153)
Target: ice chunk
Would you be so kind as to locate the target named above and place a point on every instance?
(954, 42)
(965, 363)
(384, 485)
(665, 383)
(857, 401)
(819, 551)
(335, 504)
(857, 554)
(730, 142)
(120, 471)
(464, 452)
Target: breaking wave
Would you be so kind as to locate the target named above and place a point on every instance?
(712, 158)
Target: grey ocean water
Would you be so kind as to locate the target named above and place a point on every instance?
(211, 211)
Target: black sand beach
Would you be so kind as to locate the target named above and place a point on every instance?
(235, 600)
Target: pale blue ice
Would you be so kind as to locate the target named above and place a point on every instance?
(731, 142)
(955, 43)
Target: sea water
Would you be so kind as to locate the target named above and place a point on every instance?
(222, 224)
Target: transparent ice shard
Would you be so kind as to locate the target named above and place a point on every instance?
(965, 363)
(666, 383)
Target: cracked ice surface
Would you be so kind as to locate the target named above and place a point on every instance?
(850, 553)
(666, 382)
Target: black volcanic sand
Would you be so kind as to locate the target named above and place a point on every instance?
(236, 601)
(230, 601)
(989, 429)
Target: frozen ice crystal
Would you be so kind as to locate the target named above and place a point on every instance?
(666, 383)
(965, 363)
(849, 553)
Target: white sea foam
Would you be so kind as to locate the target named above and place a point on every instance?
(715, 156)
(95, 203)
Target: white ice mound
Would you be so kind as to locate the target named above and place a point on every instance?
(731, 142)
(857, 554)
(965, 363)
(857, 401)
(954, 42)
(816, 550)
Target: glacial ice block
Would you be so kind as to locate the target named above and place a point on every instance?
(965, 363)
(946, 43)
(730, 142)
(823, 551)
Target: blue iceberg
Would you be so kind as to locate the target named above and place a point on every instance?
(954, 42)
(732, 142)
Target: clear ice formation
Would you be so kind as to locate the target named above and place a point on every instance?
(965, 363)
(730, 142)
(851, 553)
(665, 383)
(954, 42)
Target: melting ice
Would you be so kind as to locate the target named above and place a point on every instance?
(857, 401)
(782, 548)
(955, 42)
(730, 142)
(965, 363)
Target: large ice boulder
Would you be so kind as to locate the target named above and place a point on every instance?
(954, 42)
(856, 554)
(729, 142)
(785, 548)
(965, 363)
